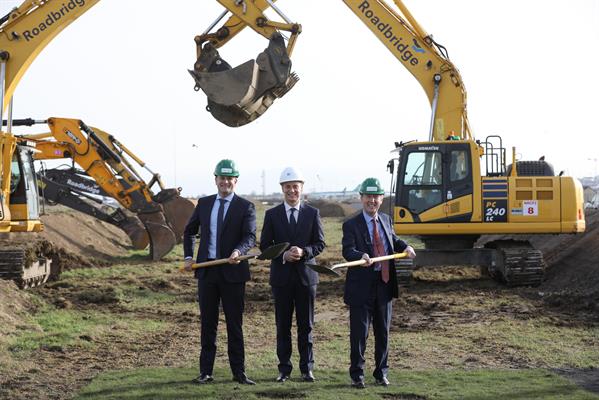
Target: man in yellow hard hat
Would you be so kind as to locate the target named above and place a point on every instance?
(369, 291)
(293, 284)
(227, 227)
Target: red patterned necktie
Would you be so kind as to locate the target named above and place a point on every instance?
(379, 250)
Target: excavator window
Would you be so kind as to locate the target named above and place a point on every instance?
(423, 178)
(458, 169)
(15, 173)
(423, 168)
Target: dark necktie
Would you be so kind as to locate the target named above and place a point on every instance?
(219, 224)
(292, 221)
(379, 250)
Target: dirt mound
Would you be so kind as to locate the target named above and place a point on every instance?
(573, 267)
(72, 240)
(572, 278)
(14, 307)
(332, 209)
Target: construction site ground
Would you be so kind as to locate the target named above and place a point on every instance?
(112, 309)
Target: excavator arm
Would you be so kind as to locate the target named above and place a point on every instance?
(102, 157)
(237, 96)
(25, 32)
(396, 28)
(72, 189)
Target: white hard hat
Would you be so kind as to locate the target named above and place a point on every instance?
(291, 174)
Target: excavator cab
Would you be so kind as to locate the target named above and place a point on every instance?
(237, 96)
(24, 201)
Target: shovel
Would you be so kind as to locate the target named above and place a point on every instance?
(331, 269)
(268, 254)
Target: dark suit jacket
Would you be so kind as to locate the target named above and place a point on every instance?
(309, 236)
(356, 241)
(239, 232)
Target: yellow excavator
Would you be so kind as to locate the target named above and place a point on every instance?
(451, 188)
(24, 33)
(105, 160)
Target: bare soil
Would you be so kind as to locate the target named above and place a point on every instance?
(437, 301)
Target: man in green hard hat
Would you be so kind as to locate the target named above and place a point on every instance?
(369, 290)
(227, 226)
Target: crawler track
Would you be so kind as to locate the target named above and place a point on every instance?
(15, 265)
(518, 263)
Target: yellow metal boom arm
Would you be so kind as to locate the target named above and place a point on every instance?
(398, 30)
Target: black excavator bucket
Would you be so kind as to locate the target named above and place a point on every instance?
(162, 238)
(136, 232)
(237, 96)
(177, 210)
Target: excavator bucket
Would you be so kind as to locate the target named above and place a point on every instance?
(136, 232)
(162, 238)
(237, 96)
(177, 210)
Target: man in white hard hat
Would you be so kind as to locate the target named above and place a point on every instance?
(293, 284)
(369, 291)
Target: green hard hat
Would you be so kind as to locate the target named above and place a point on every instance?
(226, 168)
(371, 186)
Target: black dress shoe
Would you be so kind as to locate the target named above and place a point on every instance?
(203, 379)
(282, 378)
(383, 381)
(359, 384)
(243, 379)
(308, 377)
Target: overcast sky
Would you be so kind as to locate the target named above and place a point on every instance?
(529, 68)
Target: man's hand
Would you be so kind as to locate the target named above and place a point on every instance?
(366, 257)
(410, 252)
(187, 265)
(233, 257)
(293, 254)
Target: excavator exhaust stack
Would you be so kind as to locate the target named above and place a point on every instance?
(177, 210)
(237, 96)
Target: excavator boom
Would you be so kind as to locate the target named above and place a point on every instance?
(104, 160)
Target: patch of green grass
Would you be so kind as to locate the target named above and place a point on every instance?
(63, 328)
(489, 384)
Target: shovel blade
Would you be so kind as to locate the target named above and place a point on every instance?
(323, 269)
(177, 210)
(273, 251)
(162, 237)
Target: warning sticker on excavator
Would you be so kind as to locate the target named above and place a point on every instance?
(530, 208)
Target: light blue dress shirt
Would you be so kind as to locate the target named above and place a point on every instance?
(213, 218)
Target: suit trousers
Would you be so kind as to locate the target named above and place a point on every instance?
(294, 295)
(377, 311)
(211, 291)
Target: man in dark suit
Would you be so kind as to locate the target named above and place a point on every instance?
(227, 227)
(293, 284)
(370, 289)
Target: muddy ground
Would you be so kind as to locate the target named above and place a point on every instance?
(436, 301)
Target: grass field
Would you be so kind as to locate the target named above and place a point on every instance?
(131, 331)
